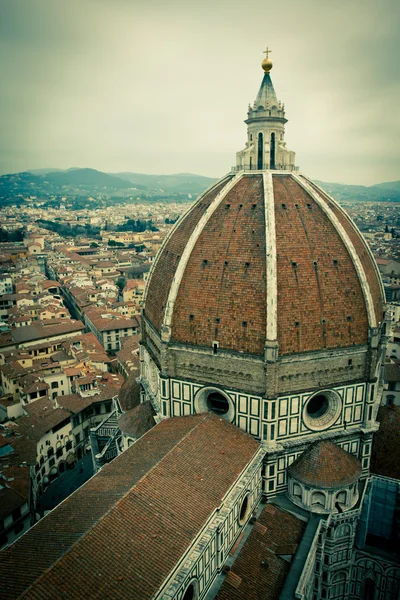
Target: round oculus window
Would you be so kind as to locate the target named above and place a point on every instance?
(317, 406)
(217, 403)
(190, 592)
(322, 410)
(244, 510)
(210, 399)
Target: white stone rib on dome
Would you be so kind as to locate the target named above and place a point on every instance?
(271, 278)
(172, 230)
(348, 217)
(173, 292)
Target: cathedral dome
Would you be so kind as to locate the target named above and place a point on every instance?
(265, 256)
(265, 306)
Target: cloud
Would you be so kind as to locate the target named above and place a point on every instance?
(164, 87)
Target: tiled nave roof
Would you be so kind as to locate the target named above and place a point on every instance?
(120, 535)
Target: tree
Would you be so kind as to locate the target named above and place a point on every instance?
(121, 283)
(94, 245)
(116, 244)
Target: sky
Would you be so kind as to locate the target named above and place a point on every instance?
(163, 87)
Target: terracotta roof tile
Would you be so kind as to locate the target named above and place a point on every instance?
(261, 572)
(233, 244)
(144, 504)
(362, 252)
(129, 394)
(9, 500)
(138, 420)
(316, 295)
(222, 293)
(325, 465)
(168, 260)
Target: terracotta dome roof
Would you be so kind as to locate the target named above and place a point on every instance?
(265, 256)
(325, 465)
(129, 394)
(137, 421)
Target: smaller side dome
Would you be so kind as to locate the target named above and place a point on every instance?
(325, 465)
(324, 479)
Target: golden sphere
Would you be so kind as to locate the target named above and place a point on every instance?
(266, 65)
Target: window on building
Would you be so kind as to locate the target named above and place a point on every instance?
(369, 589)
(59, 452)
(77, 438)
(16, 513)
(317, 406)
(19, 527)
(318, 499)
(265, 410)
(297, 491)
(217, 403)
(244, 510)
(68, 445)
(54, 385)
(390, 400)
(190, 593)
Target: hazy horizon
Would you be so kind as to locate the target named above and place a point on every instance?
(50, 169)
(163, 89)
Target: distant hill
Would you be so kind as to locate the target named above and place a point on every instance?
(390, 185)
(87, 178)
(78, 184)
(178, 183)
(42, 171)
(373, 193)
(16, 185)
